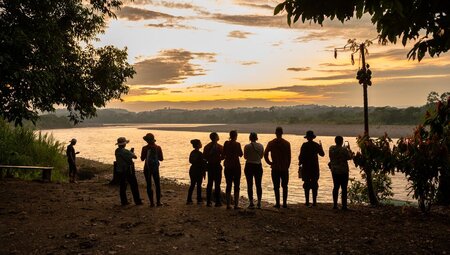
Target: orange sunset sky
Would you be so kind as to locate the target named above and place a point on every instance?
(234, 53)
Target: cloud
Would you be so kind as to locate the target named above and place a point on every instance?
(248, 63)
(307, 90)
(299, 69)
(204, 86)
(260, 6)
(251, 20)
(176, 91)
(333, 64)
(134, 14)
(238, 34)
(145, 90)
(170, 67)
(170, 25)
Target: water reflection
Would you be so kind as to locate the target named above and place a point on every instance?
(97, 143)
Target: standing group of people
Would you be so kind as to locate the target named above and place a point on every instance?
(278, 155)
(208, 164)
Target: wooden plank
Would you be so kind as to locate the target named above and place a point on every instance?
(46, 170)
(27, 167)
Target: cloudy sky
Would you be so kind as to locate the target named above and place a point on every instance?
(234, 53)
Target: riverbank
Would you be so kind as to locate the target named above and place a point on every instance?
(86, 218)
(394, 131)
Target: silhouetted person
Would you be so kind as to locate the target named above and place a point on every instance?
(253, 153)
(232, 151)
(213, 153)
(152, 154)
(280, 152)
(71, 159)
(125, 167)
(339, 155)
(309, 163)
(196, 171)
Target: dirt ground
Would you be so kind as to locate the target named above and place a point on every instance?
(86, 218)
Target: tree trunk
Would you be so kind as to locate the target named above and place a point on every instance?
(372, 196)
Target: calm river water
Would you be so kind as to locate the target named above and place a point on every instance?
(98, 143)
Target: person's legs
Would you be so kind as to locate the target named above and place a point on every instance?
(72, 171)
(306, 187)
(315, 188)
(237, 185)
(148, 180)
(217, 183)
(198, 182)
(209, 185)
(335, 189)
(258, 179)
(229, 182)
(276, 187)
(191, 187)
(284, 184)
(344, 184)
(134, 188)
(123, 189)
(156, 179)
(249, 177)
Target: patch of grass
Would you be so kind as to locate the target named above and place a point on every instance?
(25, 146)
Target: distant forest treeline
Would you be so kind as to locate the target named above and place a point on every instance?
(284, 115)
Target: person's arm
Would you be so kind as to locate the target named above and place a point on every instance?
(261, 154)
(266, 154)
(160, 154)
(240, 150)
(246, 148)
(321, 152)
(143, 154)
(192, 157)
(289, 154)
(300, 156)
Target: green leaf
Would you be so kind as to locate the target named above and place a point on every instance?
(279, 8)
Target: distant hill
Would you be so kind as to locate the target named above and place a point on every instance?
(315, 114)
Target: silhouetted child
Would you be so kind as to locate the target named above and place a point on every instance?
(197, 171)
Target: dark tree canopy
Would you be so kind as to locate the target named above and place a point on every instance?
(425, 21)
(47, 58)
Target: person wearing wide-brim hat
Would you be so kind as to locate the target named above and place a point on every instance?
(71, 159)
(152, 154)
(125, 170)
(309, 166)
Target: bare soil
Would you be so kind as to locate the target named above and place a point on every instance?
(86, 218)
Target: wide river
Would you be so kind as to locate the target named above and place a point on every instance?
(98, 143)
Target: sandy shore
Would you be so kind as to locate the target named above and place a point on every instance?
(86, 218)
(394, 131)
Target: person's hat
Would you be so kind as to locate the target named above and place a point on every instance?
(149, 137)
(122, 141)
(73, 140)
(310, 134)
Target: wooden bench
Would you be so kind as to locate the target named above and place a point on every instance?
(46, 170)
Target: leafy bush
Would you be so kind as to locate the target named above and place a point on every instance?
(24, 146)
(382, 185)
(424, 157)
(375, 160)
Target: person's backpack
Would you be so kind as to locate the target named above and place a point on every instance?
(152, 159)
